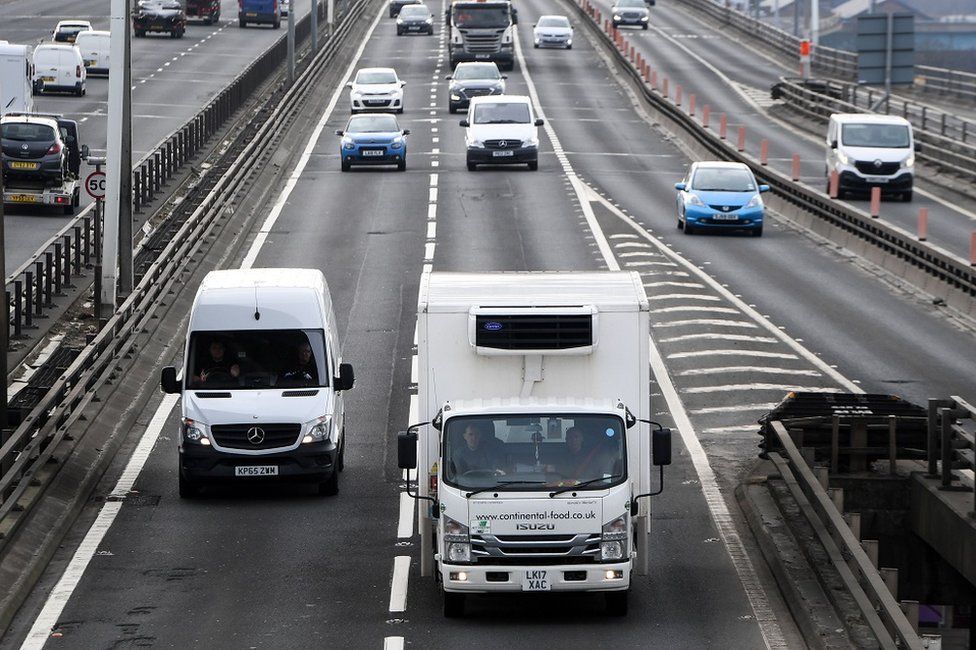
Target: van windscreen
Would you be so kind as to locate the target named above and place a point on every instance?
(256, 359)
(886, 136)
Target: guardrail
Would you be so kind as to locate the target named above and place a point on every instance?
(45, 430)
(952, 442)
(954, 272)
(937, 149)
(31, 287)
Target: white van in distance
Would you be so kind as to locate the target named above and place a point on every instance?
(94, 47)
(870, 151)
(262, 382)
(16, 77)
(59, 68)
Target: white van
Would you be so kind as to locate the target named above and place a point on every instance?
(59, 68)
(870, 151)
(262, 382)
(501, 130)
(94, 47)
(16, 77)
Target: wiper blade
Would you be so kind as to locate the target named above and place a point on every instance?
(501, 484)
(570, 488)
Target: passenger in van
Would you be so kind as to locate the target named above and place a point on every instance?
(481, 451)
(216, 365)
(303, 371)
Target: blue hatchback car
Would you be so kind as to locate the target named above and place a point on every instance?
(720, 196)
(373, 139)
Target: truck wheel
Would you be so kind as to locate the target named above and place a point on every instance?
(188, 489)
(617, 602)
(453, 605)
(330, 488)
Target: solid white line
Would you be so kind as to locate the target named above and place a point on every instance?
(732, 353)
(61, 593)
(398, 586)
(393, 643)
(405, 523)
(719, 336)
(738, 408)
(299, 169)
(690, 285)
(756, 369)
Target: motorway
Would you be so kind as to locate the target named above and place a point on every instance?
(172, 79)
(737, 322)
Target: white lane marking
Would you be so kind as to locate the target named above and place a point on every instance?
(732, 353)
(631, 244)
(626, 235)
(58, 599)
(690, 285)
(431, 212)
(765, 617)
(737, 408)
(299, 169)
(685, 296)
(719, 337)
(786, 388)
(431, 230)
(398, 585)
(429, 251)
(763, 370)
(432, 192)
(393, 643)
(713, 322)
(738, 428)
(405, 523)
(697, 308)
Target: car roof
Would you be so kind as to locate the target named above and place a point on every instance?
(868, 118)
(29, 119)
(554, 16)
(719, 164)
(96, 32)
(72, 23)
(376, 70)
(56, 46)
(501, 99)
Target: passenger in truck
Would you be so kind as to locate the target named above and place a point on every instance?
(216, 365)
(481, 451)
(303, 371)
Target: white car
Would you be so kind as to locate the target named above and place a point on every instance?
(59, 68)
(67, 30)
(376, 89)
(501, 130)
(553, 31)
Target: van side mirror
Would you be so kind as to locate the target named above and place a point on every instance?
(464, 123)
(539, 121)
(680, 186)
(661, 447)
(763, 188)
(403, 83)
(449, 77)
(168, 381)
(504, 76)
(346, 378)
(407, 449)
(348, 84)
(833, 144)
(918, 147)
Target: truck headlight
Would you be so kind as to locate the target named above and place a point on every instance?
(610, 551)
(319, 431)
(194, 432)
(613, 545)
(458, 552)
(454, 531)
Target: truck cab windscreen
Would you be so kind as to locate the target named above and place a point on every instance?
(481, 17)
(257, 359)
(534, 452)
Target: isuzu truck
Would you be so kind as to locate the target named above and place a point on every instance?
(534, 449)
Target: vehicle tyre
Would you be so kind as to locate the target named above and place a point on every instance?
(330, 488)
(906, 196)
(688, 229)
(140, 33)
(402, 166)
(400, 111)
(208, 20)
(617, 602)
(277, 24)
(430, 31)
(645, 27)
(757, 232)
(535, 45)
(451, 109)
(180, 33)
(188, 489)
(399, 32)
(341, 459)
(453, 605)
(392, 15)
(76, 199)
(346, 166)
(681, 224)
(472, 167)
(242, 23)
(533, 165)
(569, 47)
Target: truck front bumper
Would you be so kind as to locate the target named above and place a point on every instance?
(560, 577)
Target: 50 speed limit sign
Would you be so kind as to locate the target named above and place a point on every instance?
(95, 185)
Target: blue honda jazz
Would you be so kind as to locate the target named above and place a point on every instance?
(373, 139)
(720, 196)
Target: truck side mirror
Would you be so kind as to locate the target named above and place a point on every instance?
(168, 381)
(833, 144)
(407, 449)
(85, 151)
(346, 378)
(661, 447)
(918, 147)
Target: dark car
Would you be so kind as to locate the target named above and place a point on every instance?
(473, 79)
(206, 10)
(415, 19)
(67, 30)
(33, 149)
(164, 16)
(397, 5)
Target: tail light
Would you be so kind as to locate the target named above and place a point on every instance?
(55, 148)
(78, 71)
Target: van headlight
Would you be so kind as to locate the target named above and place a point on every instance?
(319, 430)
(613, 543)
(476, 144)
(193, 432)
(842, 157)
(533, 141)
(909, 162)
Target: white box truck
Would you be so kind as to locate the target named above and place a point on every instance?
(535, 450)
(16, 79)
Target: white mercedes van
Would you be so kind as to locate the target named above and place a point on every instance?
(262, 382)
(868, 151)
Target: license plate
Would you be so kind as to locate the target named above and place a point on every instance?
(21, 198)
(90, 63)
(536, 580)
(876, 179)
(373, 152)
(251, 15)
(725, 217)
(47, 79)
(482, 56)
(413, 28)
(502, 154)
(256, 470)
(22, 165)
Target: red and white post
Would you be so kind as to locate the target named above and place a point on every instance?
(875, 202)
(834, 187)
(805, 59)
(741, 145)
(795, 170)
(764, 152)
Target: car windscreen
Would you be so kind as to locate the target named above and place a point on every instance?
(507, 113)
(534, 452)
(477, 71)
(723, 180)
(23, 132)
(372, 124)
(414, 11)
(481, 17)
(256, 359)
(376, 78)
(553, 21)
(886, 136)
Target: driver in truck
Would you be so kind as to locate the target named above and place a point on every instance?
(580, 461)
(216, 363)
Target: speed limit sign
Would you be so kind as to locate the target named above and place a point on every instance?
(95, 185)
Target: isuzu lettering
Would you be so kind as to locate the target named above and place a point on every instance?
(535, 450)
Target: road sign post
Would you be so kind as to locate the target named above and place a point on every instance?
(886, 51)
(95, 186)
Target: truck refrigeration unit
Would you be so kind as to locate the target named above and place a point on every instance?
(535, 452)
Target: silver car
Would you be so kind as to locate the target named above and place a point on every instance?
(553, 31)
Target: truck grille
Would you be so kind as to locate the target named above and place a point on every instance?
(482, 43)
(532, 332)
(535, 549)
(235, 436)
(884, 169)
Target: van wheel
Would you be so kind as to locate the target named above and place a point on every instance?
(188, 489)
(617, 602)
(453, 605)
(330, 488)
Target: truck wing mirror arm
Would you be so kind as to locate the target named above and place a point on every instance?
(660, 456)
(407, 459)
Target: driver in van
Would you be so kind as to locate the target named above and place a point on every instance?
(216, 362)
(303, 370)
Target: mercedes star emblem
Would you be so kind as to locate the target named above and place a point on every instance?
(255, 435)
(503, 143)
